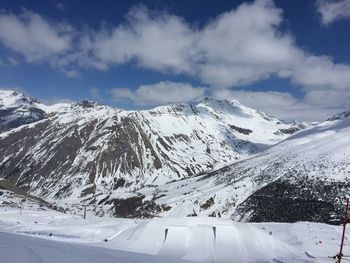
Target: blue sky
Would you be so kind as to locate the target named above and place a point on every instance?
(287, 58)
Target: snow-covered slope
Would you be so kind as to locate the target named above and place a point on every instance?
(311, 172)
(49, 236)
(87, 151)
(157, 240)
(305, 177)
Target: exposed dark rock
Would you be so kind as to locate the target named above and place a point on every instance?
(193, 214)
(120, 182)
(136, 207)
(240, 130)
(88, 190)
(208, 203)
(287, 131)
(128, 207)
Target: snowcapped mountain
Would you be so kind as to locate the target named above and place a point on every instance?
(87, 151)
(16, 109)
(303, 178)
(213, 158)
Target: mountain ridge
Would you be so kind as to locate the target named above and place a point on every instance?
(158, 145)
(213, 158)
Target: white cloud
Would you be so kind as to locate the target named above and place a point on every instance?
(60, 6)
(55, 100)
(332, 11)
(34, 37)
(335, 99)
(238, 47)
(245, 45)
(157, 41)
(8, 61)
(12, 61)
(95, 94)
(71, 73)
(321, 72)
(160, 93)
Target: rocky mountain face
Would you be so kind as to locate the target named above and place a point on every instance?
(81, 148)
(214, 158)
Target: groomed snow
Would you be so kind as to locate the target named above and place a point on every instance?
(23, 249)
(49, 236)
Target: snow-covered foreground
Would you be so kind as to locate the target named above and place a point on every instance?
(23, 249)
(49, 236)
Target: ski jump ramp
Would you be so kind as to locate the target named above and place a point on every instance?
(189, 242)
(199, 240)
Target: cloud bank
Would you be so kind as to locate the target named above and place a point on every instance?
(237, 48)
(332, 11)
(160, 93)
(32, 36)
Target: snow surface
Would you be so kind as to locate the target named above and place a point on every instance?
(48, 236)
(24, 249)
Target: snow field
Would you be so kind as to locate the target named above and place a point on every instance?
(197, 239)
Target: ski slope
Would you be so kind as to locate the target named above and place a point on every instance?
(23, 249)
(48, 236)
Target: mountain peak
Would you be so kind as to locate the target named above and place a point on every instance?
(214, 102)
(233, 106)
(11, 98)
(207, 99)
(340, 116)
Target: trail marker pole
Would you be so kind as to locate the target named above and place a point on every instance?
(340, 255)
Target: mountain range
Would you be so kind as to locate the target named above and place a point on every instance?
(211, 158)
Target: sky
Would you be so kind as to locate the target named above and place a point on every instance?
(288, 58)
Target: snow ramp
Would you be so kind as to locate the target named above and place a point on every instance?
(246, 243)
(189, 242)
(206, 240)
